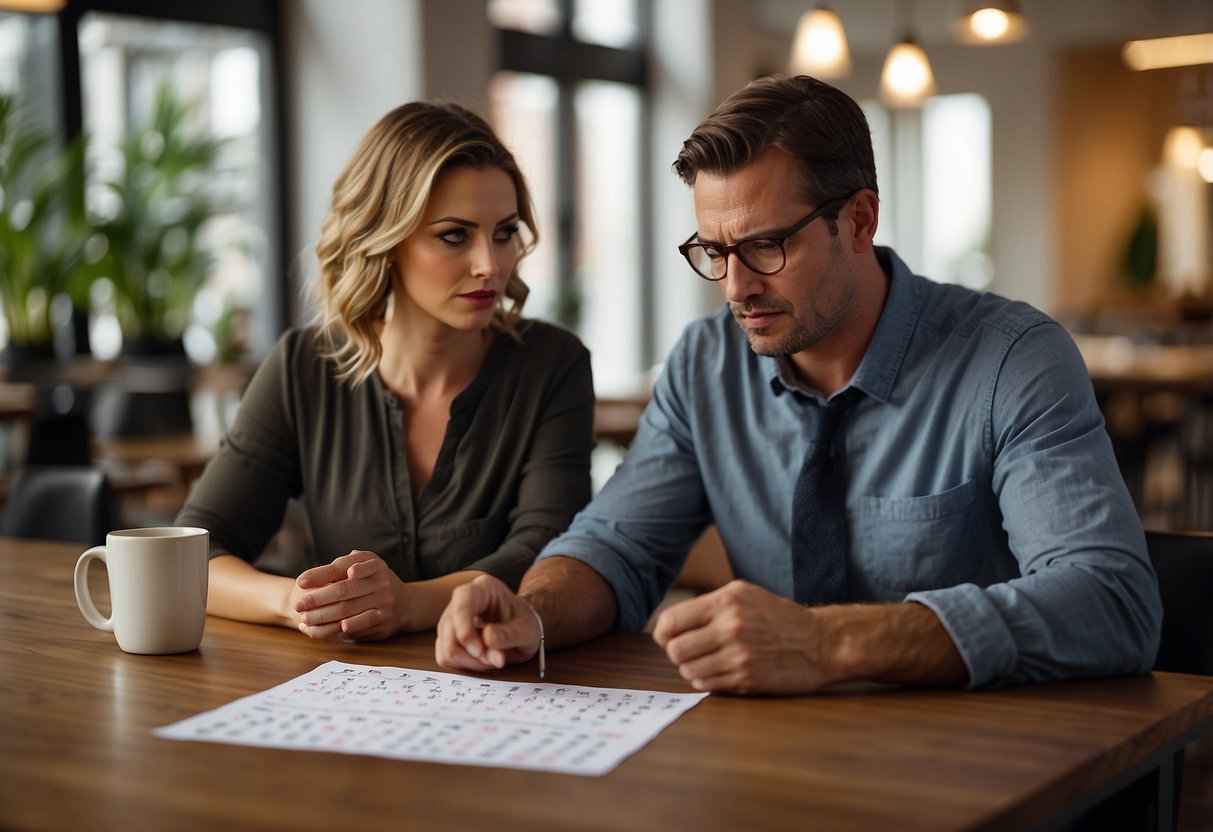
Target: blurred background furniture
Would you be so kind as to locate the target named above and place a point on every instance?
(123, 410)
(151, 427)
(59, 439)
(1157, 400)
(1183, 562)
(60, 502)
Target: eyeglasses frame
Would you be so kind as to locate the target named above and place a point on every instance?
(779, 238)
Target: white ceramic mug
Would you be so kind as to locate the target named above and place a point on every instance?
(157, 580)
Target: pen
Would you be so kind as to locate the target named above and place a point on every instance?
(542, 662)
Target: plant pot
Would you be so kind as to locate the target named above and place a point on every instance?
(153, 364)
(153, 348)
(28, 362)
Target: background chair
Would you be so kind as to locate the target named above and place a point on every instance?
(1184, 564)
(59, 439)
(120, 411)
(71, 503)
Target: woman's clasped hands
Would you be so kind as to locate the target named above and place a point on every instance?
(357, 596)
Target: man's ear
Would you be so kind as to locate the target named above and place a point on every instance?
(865, 215)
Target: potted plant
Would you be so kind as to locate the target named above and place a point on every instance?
(44, 235)
(160, 203)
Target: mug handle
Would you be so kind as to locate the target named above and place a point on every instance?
(84, 598)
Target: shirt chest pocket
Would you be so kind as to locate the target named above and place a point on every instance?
(905, 544)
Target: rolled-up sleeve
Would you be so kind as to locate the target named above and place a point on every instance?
(1086, 603)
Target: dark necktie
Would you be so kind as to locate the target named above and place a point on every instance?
(820, 540)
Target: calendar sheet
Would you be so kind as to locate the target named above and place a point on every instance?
(443, 718)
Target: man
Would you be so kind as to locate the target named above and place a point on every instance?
(959, 520)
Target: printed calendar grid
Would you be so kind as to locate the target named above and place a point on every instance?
(417, 715)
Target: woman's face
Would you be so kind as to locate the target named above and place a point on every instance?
(454, 267)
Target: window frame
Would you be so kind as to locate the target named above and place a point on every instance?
(263, 16)
(569, 61)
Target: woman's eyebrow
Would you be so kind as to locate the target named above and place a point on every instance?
(470, 224)
(457, 221)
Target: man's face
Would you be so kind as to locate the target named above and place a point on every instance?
(812, 296)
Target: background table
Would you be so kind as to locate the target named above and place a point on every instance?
(76, 749)
(1117, 364)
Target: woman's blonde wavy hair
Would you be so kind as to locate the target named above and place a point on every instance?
(378, 201)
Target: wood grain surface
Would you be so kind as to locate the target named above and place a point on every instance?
(76, 749)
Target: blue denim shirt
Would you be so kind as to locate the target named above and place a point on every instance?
(981, 483)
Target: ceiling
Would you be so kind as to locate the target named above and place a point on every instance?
(871, 25)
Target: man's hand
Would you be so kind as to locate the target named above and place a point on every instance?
(485, 626)
(743, 639)
(357, 595)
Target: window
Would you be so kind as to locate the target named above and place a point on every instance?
(217, 72)
(96, 67)
(934, 168)
(27, 68)
(571, 101)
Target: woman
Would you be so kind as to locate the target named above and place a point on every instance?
(430, 433)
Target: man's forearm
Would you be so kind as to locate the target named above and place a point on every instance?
(896, 643)
(575, 602)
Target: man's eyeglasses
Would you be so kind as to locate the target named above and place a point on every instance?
(763, 255)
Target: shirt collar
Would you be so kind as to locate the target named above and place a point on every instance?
(878, 370)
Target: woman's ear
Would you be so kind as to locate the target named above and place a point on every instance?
(865, 214)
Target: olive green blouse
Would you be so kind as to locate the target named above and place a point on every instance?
(513, 469)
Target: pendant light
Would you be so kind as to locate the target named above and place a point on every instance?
(907, 80)
(820, 47)
(991, 21)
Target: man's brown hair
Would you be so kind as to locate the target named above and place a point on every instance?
(817, 124)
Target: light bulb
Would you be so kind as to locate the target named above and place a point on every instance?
(907, 80)
(989, 24)
(1182, 147)
(820, 48)
(992, 21)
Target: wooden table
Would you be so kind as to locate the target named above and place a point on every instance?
(1117, 364)
(616, 420)
(76, 749)
(188, 453)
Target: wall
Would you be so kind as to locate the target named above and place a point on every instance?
(347, 63)
(1111, 125)
(459, 52)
